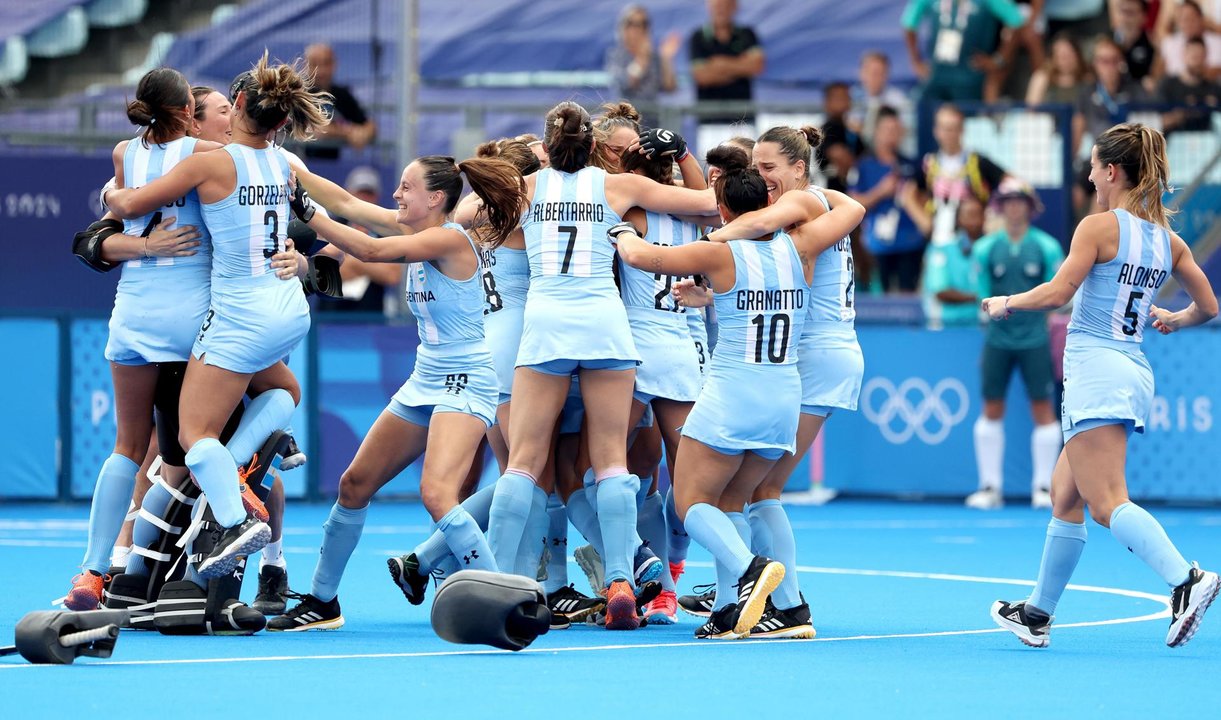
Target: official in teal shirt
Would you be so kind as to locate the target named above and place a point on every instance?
(1012, 260)
(961, 30)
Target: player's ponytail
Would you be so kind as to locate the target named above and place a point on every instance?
(500, 186)
(162, 98)
(1141, 152)
(568, 135)
(279, 95)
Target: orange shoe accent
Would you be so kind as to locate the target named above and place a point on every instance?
(621, 607)
(250, 501)
(86, 592)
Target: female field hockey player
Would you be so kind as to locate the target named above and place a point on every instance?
(449, 401)
(255, 319)
(1117, 262)
(740, 425)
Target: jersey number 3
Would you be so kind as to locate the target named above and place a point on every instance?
(273, 236)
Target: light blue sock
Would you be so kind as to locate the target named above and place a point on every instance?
(111, 496)
(446, 567)
(1136, 530)
(651, 525)
(479, 505)
(726, 580)
(1061, 551)
(340, 534)
(265, 414)
(590, 482)
(715, 531)
(535, 537)
(583, 517)
(772, 536)
(433, 552)
(468, 545)
(143, 532)
(557, 544)
(679, 540)
(216, 474)
(642, 494)
(508, 517)
(617, 517)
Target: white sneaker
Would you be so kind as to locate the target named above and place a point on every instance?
(588, 560)
(1040, 499)
(1188, 602)
(986, 499)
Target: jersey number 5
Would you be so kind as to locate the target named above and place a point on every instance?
(1130, 315)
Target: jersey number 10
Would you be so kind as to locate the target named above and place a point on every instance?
(777, 337)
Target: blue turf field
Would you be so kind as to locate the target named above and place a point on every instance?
(900, 594)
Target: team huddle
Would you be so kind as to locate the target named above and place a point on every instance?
(586, 316)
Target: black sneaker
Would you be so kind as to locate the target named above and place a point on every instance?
(405, 571)
(1188, 602)
(756, 584)
(700, 604)
(572, 603)
(310, 614)
(791, 623)
(720, 624)
(273, 590)
(1031, 625)
(292, 457)
(235, 543)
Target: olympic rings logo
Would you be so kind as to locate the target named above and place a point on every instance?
(915, 408)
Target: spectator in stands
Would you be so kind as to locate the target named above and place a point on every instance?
(890, 233)
(953, 173)
(1100, 105)
(1190, 24)
(365, 284)
(1193, 90)
(872, 93)
(1062, 78)
(841, 145)
(1083, 19)
(964, 35)
(950, 286)
(1014, 259)
(1163, 16)
(349, 123)
(1139, 55)
(1020, 54)
(725, 59)
(640, 72)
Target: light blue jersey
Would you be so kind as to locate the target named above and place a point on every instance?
(506, 281)
(829, 356)
(573, 310)
(1113, 302)
(143, 164)
(751, 397)
(1107, 379)
(453, 370)
(669, 364)
(160, 302)
(255, 318)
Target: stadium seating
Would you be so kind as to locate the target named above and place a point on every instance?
(14, 60)
(65, 35)
(115, 13)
